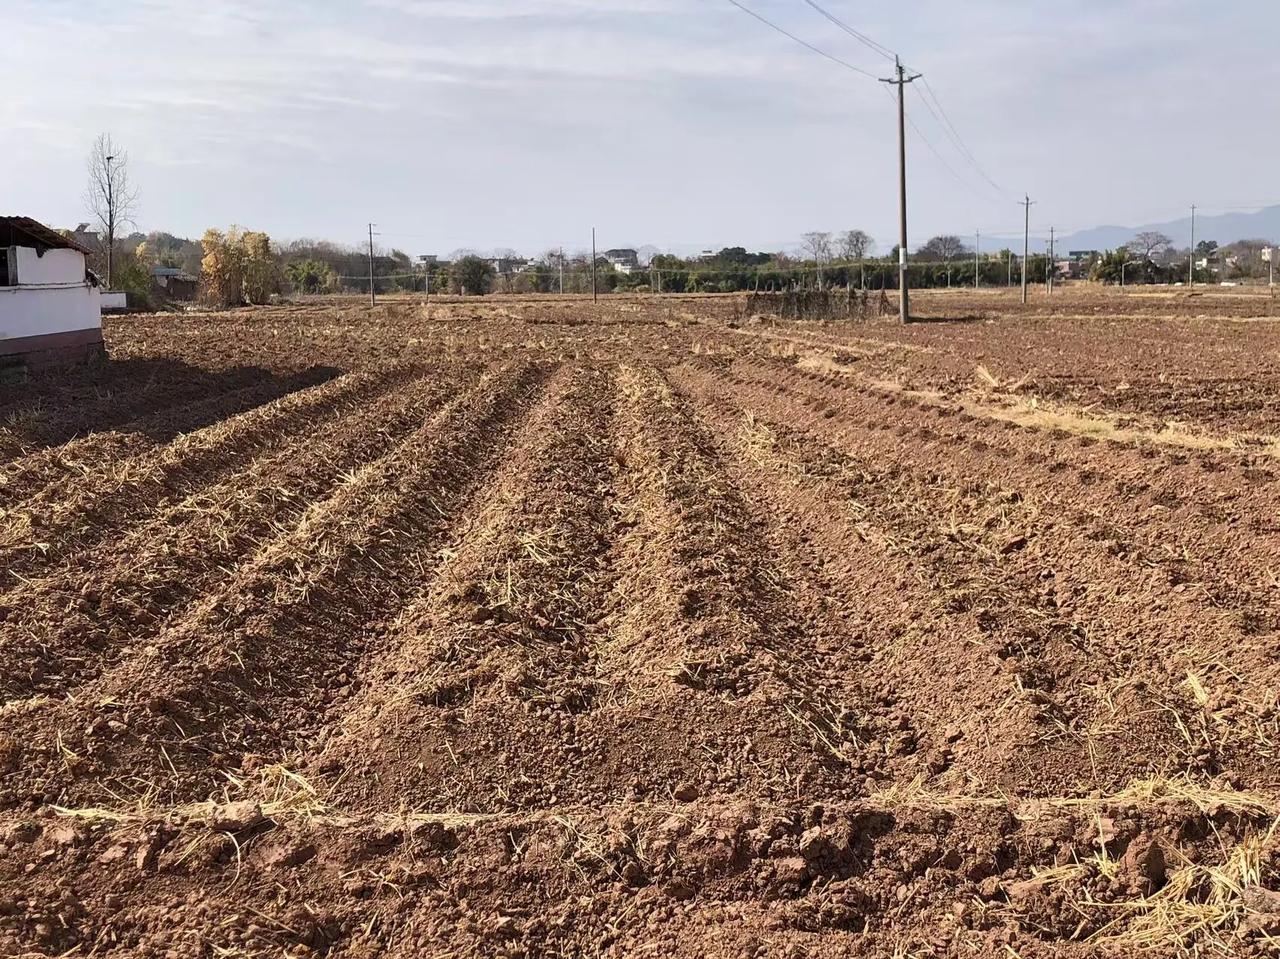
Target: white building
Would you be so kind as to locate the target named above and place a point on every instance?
(50, 306)
(623, 260)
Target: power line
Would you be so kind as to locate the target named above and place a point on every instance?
(932, 149)
(946, 120)
(939, 114)
(948, 128)
(857, 35)
(804, 43)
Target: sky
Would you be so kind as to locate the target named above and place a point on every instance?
(674, 123)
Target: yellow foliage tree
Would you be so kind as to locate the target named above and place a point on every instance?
(262, 273)
(238, 267)
(221, 269)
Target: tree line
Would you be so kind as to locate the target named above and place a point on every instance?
(243, 266)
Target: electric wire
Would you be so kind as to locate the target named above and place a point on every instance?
(951, 134)
(856, 34)
(804, 43)
(928, 93)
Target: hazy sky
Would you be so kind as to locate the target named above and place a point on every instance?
(490, 123)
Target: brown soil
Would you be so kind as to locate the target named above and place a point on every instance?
(532, 628)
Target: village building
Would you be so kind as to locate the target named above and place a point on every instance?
(50, 304)
(623, 260)
(175, 283)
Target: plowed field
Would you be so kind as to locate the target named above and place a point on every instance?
(649, 629)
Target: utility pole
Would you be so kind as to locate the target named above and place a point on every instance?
(1026, 243)
(595, 291)
(1048, 267)
(900, 80)
(562, 271)
(1191, 258)
(111, 223)
(373, 295)
(977, 241)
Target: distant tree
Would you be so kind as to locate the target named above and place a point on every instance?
(539, 277)
(1122, 265)
(1206, 248)
(1148, 243)
(472, 275)
(818, 247)
(145, 255)
(854, 247)
(311, 276)
(238, 267)
(945, 248)
(110, 196)
(222, 269)
(262, 274)
(1245, 258)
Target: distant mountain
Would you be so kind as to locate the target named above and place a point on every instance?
(1225, 228)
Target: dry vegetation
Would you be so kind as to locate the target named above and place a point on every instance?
(533, 629)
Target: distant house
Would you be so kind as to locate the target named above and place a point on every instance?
(87, 238)
(506, 265)
(623, 260)
(176, 283)
(50, 304)
(1079, 263)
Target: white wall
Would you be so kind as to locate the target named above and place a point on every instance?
(27, 312)
(56, 266)
(115, 301)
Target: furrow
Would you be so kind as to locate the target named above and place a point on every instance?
(249, 669)
(114, 597)
(1057, 687)
(477, 698)
(158, 397)
(102, 439)
(714, 659)
(78, 510)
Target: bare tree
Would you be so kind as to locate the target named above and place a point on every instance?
(1148, 243)
(946, 248)
(818, 246)
(111, 196)
(854, 246)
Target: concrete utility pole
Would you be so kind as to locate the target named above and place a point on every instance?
(562, 271)
(111, 224)
(1048, 267)
(595, 290)
(1026, 243)
(977, 241)
(900, 80)
(1191, 258)
(373, 295)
